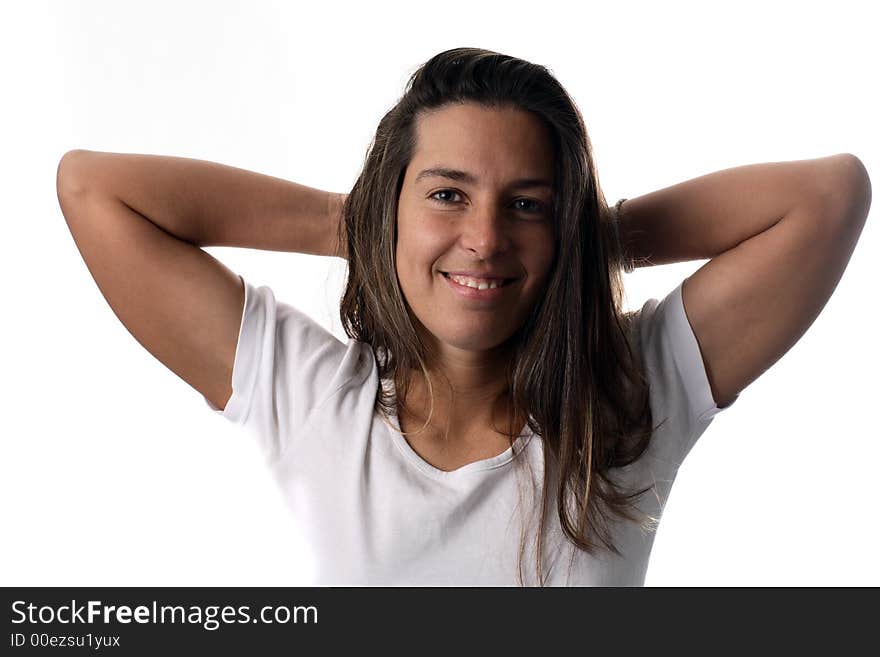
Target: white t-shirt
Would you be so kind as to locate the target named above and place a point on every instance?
(371, 512)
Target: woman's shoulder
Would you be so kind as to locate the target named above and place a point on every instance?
(287, 363)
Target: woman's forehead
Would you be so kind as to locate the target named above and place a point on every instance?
(472, 127)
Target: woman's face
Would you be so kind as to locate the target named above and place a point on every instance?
(487, 219)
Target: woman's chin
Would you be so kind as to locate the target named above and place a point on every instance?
(474, 341)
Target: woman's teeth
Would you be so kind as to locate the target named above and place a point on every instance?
(476, 283)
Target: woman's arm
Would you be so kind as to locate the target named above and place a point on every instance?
(778, 236)
(706, 216)
(139, 222)
(210, 204)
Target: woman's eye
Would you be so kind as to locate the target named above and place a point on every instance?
(442, 191)
(535, 207)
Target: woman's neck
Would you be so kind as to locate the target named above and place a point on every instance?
(467, 407)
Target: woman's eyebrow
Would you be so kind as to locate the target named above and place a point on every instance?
(471, 179)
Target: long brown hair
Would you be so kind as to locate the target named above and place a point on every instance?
(573, 372)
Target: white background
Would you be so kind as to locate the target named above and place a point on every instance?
(115, 472)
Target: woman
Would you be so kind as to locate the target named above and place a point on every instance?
(494, 407)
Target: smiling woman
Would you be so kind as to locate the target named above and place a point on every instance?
(467, 376)
(492, 389)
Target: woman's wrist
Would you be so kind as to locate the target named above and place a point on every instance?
(336, 240)
(626, 260)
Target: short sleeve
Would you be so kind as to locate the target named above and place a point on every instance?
(680, 390)
(286, 365)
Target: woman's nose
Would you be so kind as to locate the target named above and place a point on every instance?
(485, 231)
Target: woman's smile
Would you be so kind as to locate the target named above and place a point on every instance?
(476, 294)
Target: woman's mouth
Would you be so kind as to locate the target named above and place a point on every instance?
(476, 288)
